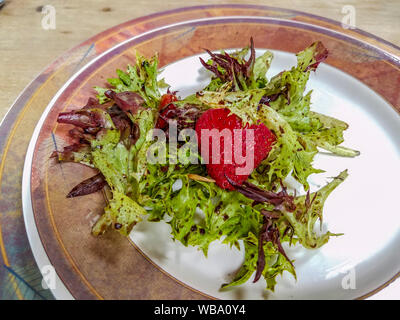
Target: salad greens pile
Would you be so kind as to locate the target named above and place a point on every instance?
(112, 134)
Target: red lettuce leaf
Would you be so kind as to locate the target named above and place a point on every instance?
(88, 186)
(128, 101)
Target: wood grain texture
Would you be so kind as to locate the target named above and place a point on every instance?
(26, 49)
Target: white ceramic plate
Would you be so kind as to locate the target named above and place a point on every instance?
(364, 207)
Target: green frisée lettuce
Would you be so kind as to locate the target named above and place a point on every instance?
(110, 156)
(330, 135)
(115, 136)
(275, 264)
(261, 67)
(308, 211)
(291, 152)
(122, 213)
(201, 212)
(233, 68)
(141, 78)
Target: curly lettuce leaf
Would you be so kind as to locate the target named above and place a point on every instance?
(116, 163)
(199, 212)
(285, 91)
(285, 94)
(260, 69)
(140, 78)
(145, 120)
(290, 152)
(309, 209)
(110, 156)
(312, 56)
(122, 213)
(202, 213)
(228, 215)
(330, 135)
(233, 68)
(275, 264)
(157, 187)
(242, 103)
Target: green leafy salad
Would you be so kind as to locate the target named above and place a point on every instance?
(203, 201)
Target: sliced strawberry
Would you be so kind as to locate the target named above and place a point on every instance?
(166, 99)
(167, 110)
(260, 146)
(167, 113)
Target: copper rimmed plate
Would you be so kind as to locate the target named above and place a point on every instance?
(359, 83)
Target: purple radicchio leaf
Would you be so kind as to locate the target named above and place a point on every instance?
(269, 233)
(88, 186)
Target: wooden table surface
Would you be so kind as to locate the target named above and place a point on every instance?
(26, 48)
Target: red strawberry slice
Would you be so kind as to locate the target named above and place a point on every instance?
(167, 109)
(259, 146)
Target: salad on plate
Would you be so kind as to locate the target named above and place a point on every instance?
(213, 165)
